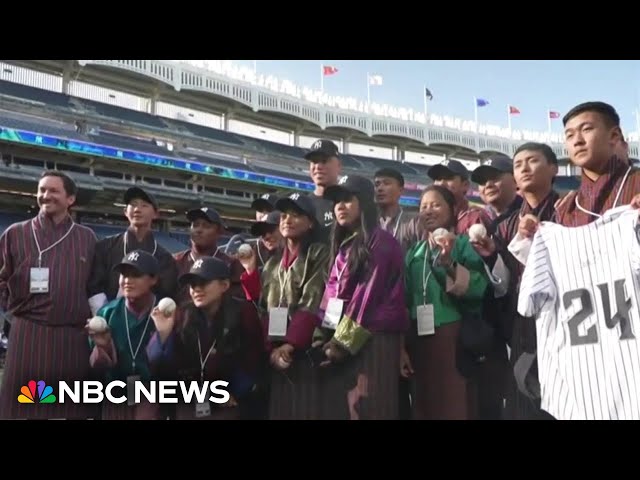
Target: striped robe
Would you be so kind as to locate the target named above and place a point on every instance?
(47, 340)
(294, 391)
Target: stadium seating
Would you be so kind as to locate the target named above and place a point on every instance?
(129, 143)
(34, 94)
(35, 126)
(124, 114)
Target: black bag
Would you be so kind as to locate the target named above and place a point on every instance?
(475, 341)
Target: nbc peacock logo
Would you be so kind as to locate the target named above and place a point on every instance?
(36, 392)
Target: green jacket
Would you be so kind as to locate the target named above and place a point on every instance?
(449, 299)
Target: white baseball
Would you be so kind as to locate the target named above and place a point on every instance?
(167, 306)
(439, 233)
(477, 232)
(98, 325)
(245, 250)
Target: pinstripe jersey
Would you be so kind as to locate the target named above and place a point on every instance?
(582, 285)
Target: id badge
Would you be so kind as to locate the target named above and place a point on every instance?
(333, 313)
(39, 280)
(278, 318)
(203, 409)
(426, 320)
(131, 389)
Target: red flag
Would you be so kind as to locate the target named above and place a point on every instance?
(328, 70)
(554, 114)
(513, 110)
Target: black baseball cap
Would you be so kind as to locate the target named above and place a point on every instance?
(448, 169)
(299, 203)
(272, 221)
(140, 193)
(206, 213)
(321, 150)
(353, 185)
(266, 203)
(206, 270)
(494, 166)
(142, 261)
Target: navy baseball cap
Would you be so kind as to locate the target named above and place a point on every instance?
(321, 150)
(142, 261)
(206, 213)
(298, 202)
(140, 193)
(266, 203)
(267, 225)
(206, 270)
(493, 167)
(447, 169)
(350, 185)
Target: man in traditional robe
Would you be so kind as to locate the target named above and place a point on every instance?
(141, 210)
(45, 266)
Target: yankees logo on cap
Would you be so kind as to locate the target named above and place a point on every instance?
(321, 150)
(298, 203)
(492, 168)
(447, 169)
(351, 185)
(142, 261)
(265, 204)
(205, 270)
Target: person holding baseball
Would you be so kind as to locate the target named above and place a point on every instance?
(120, 333)
(446, 282)
(215, 336)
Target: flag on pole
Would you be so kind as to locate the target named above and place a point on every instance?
(427, 94)
(375, 79)
(513, 110)
(329, 70)
(554, 114)
(480, 102)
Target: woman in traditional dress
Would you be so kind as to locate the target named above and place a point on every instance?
(215, 337)
(446, 282)
(119, 351)
(291, 288)
(363, 310)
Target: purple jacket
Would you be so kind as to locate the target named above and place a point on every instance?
(376, 302)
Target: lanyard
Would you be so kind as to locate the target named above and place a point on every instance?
(204, 362)
(615, 203)
(395, 230)
(283, 282)
(41, 252)
(126, 316)
(155, 245)
(425, 277)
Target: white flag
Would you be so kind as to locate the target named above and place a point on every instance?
(375, 79)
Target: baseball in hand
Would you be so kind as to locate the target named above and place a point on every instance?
(98, 325)
(440, 233)
(167, 306)
(282, 363)
(477, 232)
(245, 250)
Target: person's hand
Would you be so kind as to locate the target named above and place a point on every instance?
(164, 323)
(247, 258)
(446, 244)
(100, 339)
(484, 246)
(282, 357)
(334, 353)
(528, 226)
(406, 369)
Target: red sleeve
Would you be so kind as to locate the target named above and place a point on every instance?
(251, 285)
(301, 328)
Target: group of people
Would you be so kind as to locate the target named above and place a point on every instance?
(346, 306)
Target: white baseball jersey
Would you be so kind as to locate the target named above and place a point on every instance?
(582, 285)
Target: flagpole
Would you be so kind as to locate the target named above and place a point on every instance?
(424, 95)
(509, 116)
(475, 111)
(368, 90)
(322, 78)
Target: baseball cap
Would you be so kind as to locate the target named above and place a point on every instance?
(206, 213)
(140, 193)
(351, 185)
(298, 202)
(321, 150)
(447, 169)
(495, 165)
(260, 228)
(266, 203)
(142, 261)
(206, 269)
